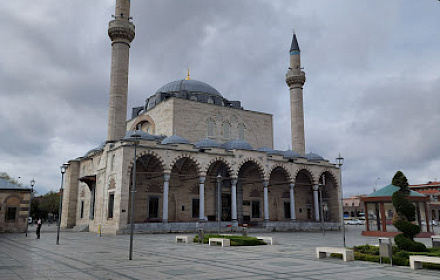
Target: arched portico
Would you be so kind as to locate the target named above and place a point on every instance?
(252, 193)
(328, 197)
(279, 195)
(212, 198)
(149, 189)
(304, 196)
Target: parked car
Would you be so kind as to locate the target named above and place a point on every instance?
(354, 222)
(432, 223)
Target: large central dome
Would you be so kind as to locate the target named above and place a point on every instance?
(191, 90)
(188, 86)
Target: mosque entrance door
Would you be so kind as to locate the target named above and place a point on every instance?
(226, 207)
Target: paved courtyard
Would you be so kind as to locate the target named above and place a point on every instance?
(156, 256)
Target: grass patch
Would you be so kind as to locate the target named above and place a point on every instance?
(236, 240)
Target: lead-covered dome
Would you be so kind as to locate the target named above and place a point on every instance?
(237, 145)
(188, 86)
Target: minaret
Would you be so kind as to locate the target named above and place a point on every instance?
(295, 79)
(121, 32)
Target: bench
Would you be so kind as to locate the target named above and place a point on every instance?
(347, 254)
(184, 239)
(416, 261)
(268, 240)
(217, 241)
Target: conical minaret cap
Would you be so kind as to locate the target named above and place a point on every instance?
(294, 46)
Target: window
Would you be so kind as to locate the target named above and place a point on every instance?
(287, 210)
(195, 207)
(226, 130)
(241, 131)
(193, 98)
(81, 214)
(11, 213)
(112, 165)
(255, 209)
(210, 100)
(153, 207)
(111, 205)
(210, 128)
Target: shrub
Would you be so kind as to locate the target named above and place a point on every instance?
(236, 240)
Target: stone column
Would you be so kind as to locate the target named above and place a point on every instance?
(166, 186)
(234, 200)
(292, 202)
(316, 202)
(202, 198)
(266, 201)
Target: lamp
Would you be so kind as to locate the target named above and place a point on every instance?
(339, 163)
(134, 138)
(63, 168)
(30, 205)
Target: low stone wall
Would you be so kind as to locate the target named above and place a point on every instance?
(228, 227)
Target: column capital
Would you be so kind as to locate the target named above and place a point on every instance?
(291, 185)
(315, 187)
(202, 179)
(234, 180)
(166, 176)
(265, 183)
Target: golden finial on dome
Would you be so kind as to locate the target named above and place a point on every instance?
(188, 77)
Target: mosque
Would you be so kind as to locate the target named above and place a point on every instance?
(190, 158)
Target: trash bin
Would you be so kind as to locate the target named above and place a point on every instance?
(435, 241)
(386, 249)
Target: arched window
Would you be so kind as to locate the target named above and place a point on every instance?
(226, 130)
(241, 131)
(211, 124)
(210, 100)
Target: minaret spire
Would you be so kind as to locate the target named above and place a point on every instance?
(121, 32)
(295, 79)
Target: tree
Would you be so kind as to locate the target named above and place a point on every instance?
(5, 176)
(49, 203)
(405, 214)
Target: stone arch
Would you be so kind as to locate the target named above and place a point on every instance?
(252, 160)
(217, 159)
(330, 195)
(303, 193)
(283, 167)
(147, 153)
(149, 178)
(182, 156)
(279, 193)
(142, 119)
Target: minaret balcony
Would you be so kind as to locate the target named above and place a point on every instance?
(121, 30)
(295, 78)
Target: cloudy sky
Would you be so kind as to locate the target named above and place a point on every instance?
(372, 68)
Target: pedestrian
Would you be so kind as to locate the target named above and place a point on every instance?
(39, 222)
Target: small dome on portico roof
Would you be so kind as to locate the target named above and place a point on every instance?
(290, 154)
(270, 151)
(206, 143)
(174, 140)
(314, 157)
(237, 145)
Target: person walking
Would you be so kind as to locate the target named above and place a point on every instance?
(39, 222)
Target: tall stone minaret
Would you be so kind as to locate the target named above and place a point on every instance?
(295, 79)
(121, 32)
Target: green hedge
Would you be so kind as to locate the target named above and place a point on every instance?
(236, 240)
(370, 253)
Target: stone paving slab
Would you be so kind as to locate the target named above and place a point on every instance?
(156, 256)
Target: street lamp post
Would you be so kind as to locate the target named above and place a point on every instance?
(219, 200)
(63, 168)
(135, 139)
(30, 205)
(340, 162)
